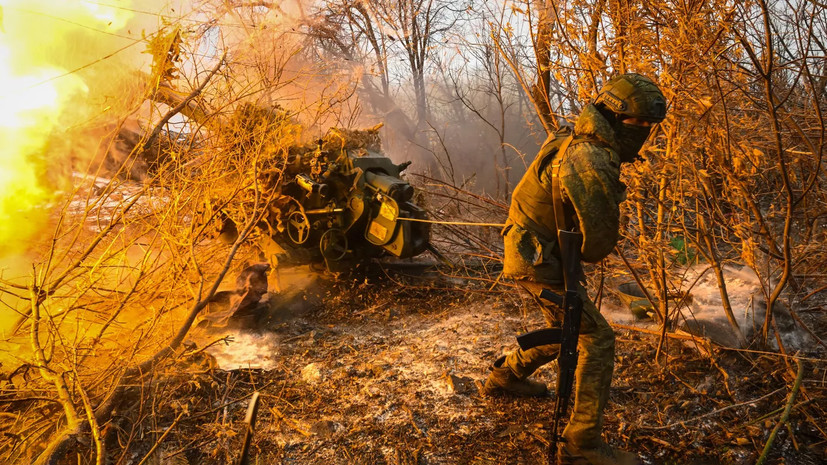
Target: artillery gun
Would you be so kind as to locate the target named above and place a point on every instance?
(337, 202)
(344, 205)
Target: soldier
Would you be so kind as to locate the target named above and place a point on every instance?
(608, 132)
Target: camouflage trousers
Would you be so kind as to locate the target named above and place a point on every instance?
(595, 364)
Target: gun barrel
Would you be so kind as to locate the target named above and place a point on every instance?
(398, 189)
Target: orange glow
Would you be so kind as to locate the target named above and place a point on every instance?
(36, 36)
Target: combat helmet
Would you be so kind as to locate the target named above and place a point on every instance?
(633, 95)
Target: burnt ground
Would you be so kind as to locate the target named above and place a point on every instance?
(373, 370)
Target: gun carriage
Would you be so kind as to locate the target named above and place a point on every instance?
(337, 204)
(347, 204)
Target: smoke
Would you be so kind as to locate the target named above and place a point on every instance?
(70, 72)
(274, 64)
(67, 70)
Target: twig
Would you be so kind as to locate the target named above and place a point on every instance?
(226, 339)
(685, 337)
(94, 428)
(640, 284)
(161, 439)
(776, 354)
(277, 413)
(822, 288)
(714, 412)
(413, 423)
(195, 93)
(485, 199)
(73, 421)
(228, 403)
(785, 416)
(795, 316)
(777, 411)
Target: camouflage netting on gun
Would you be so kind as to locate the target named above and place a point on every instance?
(351, 139)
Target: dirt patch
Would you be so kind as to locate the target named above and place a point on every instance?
(374, 372)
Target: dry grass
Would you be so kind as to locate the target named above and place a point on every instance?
(363, 375)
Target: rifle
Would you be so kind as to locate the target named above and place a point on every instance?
(570, 243)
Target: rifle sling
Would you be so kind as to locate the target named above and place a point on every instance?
(562, 216)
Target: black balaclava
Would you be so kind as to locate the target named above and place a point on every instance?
(630, 137)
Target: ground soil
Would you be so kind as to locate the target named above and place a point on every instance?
(386, 370)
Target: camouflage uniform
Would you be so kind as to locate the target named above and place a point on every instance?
(610, 131)
(590, 178)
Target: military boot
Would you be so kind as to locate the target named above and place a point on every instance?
(502, 380)
(603, 454)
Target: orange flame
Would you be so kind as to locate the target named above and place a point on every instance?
(36, 89)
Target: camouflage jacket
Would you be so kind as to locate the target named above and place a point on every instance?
(590, 179)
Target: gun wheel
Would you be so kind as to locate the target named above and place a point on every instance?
(298, 227)
(333, 244)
